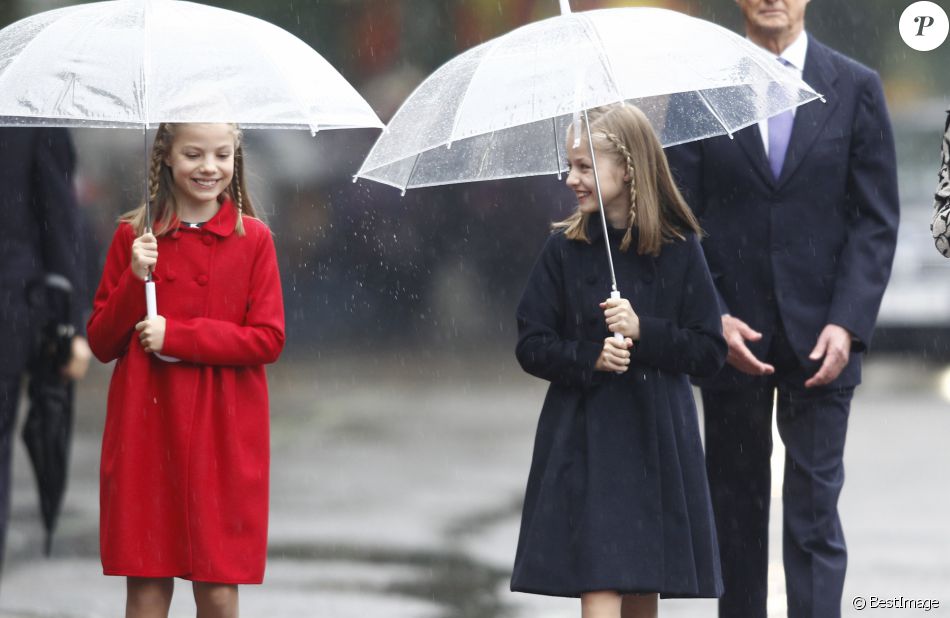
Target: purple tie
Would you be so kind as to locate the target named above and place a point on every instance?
(780, 130)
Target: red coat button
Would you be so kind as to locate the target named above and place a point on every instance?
(202, 279)
(206, 239)
(176, 234)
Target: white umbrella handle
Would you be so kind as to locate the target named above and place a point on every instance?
(565, 7)
(151, 310)
(615, 294)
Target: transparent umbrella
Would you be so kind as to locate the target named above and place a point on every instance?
(137, 63)
(502, 109)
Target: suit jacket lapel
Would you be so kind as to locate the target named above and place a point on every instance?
(750, 139)
(811, 117)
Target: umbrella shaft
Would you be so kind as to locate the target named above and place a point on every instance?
(148, 209)
(600, 202)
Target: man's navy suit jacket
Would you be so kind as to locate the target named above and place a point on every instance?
(815, 246)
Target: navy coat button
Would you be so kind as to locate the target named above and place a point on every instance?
(591, 279)
(647, 277)
(202, 279)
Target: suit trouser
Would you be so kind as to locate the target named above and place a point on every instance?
(812, 424)
(9, 400)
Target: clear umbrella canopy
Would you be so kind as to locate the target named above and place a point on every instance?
(135, 63)
(502, 109)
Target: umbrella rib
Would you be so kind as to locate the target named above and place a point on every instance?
(715, 114)
(594, 37)
(67, 11)
(557, 148)
(280, 69)
(411, 172)
(458, 112)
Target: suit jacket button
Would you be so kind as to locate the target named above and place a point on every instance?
(206, 239)
(202, 279)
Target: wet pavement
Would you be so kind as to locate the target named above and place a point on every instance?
(397, 484)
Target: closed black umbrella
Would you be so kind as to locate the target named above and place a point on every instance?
(47, 431)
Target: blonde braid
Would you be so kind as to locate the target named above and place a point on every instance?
(628, 158)
(238, 195)
(154, 176)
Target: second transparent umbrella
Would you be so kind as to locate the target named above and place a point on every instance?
(502, 109)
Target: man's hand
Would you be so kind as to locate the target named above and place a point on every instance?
(834, 344)
(78, 363)
(736, 333)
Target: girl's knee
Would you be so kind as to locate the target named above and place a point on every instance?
(218, 600)
(148, 593)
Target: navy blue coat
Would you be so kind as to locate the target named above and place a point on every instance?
(815, 246)
(617, 496)
(40, 232)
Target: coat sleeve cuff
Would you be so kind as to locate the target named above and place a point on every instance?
(176, 341)
(651, 343)
(587, 354)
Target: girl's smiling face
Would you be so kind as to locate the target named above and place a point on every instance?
(201, 159)
(613, 182)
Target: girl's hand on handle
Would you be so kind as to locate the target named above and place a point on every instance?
(144, 255)
(615, 356)
(621, 318)
(152, 333)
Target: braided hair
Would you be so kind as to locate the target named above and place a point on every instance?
(656, 206)
(161, 197)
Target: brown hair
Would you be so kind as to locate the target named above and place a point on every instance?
(656, 206)
(165, 208)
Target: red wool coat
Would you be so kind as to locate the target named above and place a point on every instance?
(185, 454)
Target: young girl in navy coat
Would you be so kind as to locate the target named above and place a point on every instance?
(617, 506)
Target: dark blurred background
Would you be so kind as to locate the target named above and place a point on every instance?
(444, 266)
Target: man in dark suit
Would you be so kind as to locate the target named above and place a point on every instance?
(801, 214)
(39, 235)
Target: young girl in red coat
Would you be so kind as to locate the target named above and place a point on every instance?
(185, 454)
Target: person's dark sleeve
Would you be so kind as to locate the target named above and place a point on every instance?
(940, 223)
(686, 166)
(692, 341)
(542, 350)
(865, 263)
(57, 209)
